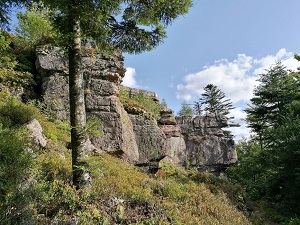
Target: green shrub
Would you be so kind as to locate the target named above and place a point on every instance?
(14, 113)
(35, 26)
(93, 127)
(15, 159)
(293, 221)
(43, 108)
(15, 166)
(10, 76)
(148, 103)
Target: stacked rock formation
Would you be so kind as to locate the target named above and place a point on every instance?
(198, 142)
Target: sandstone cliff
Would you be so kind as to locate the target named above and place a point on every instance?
(186, 142)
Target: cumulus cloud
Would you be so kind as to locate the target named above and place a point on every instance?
(236, 78)
(287, 58)
(231, 77)
(239, 118)
(129, 79)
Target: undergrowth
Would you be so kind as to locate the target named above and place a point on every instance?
(140, 104)
(42, 191)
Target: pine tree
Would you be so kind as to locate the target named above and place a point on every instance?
(215, 101)
(197, 109)
(271, 169)
(277, 89)
(132, 26)
(185, 110)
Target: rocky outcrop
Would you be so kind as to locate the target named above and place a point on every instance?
(103, 75)
(36, 133)
(207, 148)
(175, 143)
(136, 91)
(184, 141)
(52, 68)
(197, 142)
(150, 139)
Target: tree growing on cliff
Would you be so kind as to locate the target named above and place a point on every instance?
(132, 26)
(185, 110)
(197, 108)
(215, 101)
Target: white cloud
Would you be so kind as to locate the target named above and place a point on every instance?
(239, 118)
(129, 79)
(236, 78)
(287, 58)
(230, 77)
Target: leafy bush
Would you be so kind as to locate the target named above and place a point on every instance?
(15, 166)
(35, 26)
(14, 113)
(9, 75)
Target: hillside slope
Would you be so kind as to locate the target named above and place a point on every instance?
(36, 183)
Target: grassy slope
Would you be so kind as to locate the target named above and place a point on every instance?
(121, 194)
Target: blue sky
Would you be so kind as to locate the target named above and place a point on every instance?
(224, 42)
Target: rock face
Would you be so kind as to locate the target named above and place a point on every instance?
(135, 91)
(52, 69)
(150, 139)
(207, 148)
(175, 143)
(103, 75)
(197, 142)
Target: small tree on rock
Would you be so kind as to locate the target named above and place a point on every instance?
(215, 101)
(197, 109)
(185, 110)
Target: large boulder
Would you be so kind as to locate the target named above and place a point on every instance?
(36, 133)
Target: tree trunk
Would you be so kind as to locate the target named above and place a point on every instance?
(80, 167)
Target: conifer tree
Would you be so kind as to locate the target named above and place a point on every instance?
(132, 26)
(185, 110)
(277, 89)
(197, 109)
(6, 7)
(270, 167)
(215, 101)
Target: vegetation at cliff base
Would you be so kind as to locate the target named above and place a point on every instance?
(37, 184)
(42, 191)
